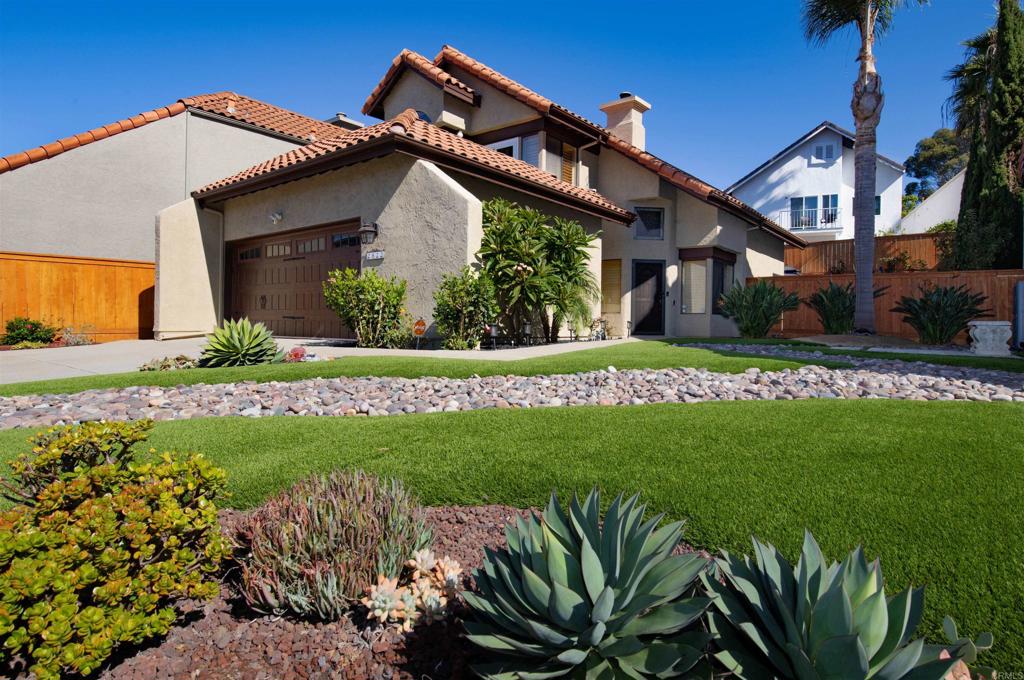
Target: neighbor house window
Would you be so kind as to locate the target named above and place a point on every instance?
(611, 287)
(829, 208)
(721, 283)
(650, 224)
(803, 212)
(693, 282)
(509, 147)
(824, 152)
(878, 205)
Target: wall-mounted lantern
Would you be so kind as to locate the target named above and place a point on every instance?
(368, 233)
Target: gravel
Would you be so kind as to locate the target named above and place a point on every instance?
(386, 396)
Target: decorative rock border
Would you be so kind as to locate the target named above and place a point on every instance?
(386, 396)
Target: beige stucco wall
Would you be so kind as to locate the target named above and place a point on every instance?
(496, 109)
(412, 91)
(99, 200)
(429, 226)
(189, 271)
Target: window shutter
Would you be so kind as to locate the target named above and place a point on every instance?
(568, 164)
(531, 149)
(611, 287)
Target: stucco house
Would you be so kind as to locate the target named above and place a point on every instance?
(942, 205)
(404, 196)
(807, 187)
(96, 194)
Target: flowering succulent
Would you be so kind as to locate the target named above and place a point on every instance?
(385, 601)
(100, 547)
(447, 573)
(430, 601)
(422, 563)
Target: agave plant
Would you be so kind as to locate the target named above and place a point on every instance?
(574, 595)
(941, 312)
(758, 307)
(240, 343)
(835, 305)
(818, 620)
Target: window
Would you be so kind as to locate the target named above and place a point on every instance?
(693, 282)
(611, 287)
(568, 163)
(312, 245)
(509, 147)
(824, 152)
(279, 249)
(803, 212)
(345, 240)
(829, 208)
(878, 205)
(721, 283)
(650, 224)
(531, 149)
(560, 159)
(249, 253)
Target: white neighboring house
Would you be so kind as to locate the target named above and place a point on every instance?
(808, 186)
(943, 205)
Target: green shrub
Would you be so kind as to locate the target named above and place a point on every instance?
(22, 329)
(240, 343)
(575, 596)
(835, 306)
(757, 308)
(463, 304)
(101, 546)
(313, 549)
(372, 306)
(817, 620)
(941, 312)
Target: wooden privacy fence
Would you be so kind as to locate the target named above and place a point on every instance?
(827, 256)
(997, 285)
(106, 299)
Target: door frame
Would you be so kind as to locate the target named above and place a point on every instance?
(632, 289)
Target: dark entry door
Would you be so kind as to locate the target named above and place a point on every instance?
(278, 280)
(648, 298)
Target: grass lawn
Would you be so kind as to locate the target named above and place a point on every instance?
(651, 354)
(934, 489)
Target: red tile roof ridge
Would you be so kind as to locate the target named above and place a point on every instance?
(423, 66)
(226, 104)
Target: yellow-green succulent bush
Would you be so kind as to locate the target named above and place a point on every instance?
(100, 546)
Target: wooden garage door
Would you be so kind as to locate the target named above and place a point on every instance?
(278, 279)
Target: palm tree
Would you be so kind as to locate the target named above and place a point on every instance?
(872, 19)
(972, 81)
(573, 287)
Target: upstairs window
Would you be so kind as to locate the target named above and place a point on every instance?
(824, 152)
(530, 146)
(650, 224)
(568, 164)
(561, 159)
(509, 147)
(878, 205)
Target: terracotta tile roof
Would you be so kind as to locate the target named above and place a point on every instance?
(672, 174)
(226, 104)
(423, 66)
(442, 147)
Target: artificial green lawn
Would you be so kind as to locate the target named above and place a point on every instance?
(934, 489)
(650, 354)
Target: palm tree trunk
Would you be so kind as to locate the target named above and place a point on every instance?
(867, 111)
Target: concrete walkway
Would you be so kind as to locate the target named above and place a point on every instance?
(128, 355)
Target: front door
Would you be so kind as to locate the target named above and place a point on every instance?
(278, 279)
(648, 297)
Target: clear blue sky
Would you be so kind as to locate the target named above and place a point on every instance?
(731, 82)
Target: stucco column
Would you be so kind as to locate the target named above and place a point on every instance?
(189, 271)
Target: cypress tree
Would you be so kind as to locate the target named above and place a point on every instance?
(991, 221)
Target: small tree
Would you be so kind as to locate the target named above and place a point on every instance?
(372, 306)
(573, 287)
(463, 304)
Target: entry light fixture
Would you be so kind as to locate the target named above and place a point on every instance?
(368, 233)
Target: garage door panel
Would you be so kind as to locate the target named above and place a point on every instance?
(278, 280)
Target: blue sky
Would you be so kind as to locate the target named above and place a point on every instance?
(731, 83)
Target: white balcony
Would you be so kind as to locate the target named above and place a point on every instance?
(811, 219)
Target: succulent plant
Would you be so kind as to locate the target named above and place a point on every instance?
(385, 601)
(240, 343)
(966, 649)
(312, 549)
(818, 620)
(570, 595)
(447, 573)
(430, 601)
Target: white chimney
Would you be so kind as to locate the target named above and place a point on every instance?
(626, 118)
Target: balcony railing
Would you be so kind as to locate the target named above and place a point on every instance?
(813, 219)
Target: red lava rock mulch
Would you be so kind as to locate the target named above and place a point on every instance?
(221, 639)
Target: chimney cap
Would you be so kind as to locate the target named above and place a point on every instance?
(627, 99)
(624, 94)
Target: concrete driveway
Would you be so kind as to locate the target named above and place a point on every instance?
(127, 355)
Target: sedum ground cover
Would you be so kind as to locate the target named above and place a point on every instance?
(934, 489)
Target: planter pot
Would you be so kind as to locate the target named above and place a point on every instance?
(990, 338)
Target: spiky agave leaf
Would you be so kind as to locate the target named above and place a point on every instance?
(571, 594)
(817, 620)
(240, 343)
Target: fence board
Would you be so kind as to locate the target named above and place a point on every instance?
(997, 285)
(108, 299)
(822, 257)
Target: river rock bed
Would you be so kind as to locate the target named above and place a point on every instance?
(387, 396)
